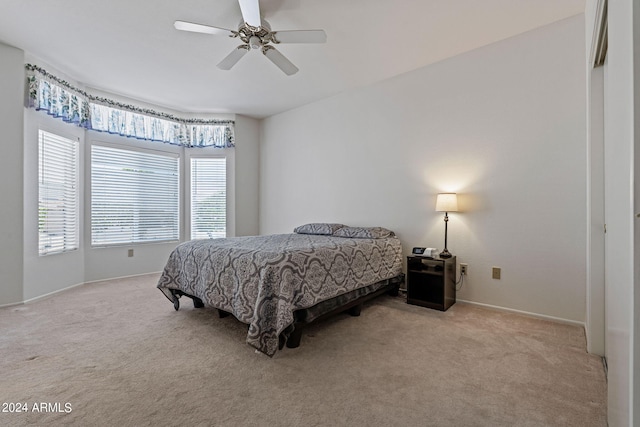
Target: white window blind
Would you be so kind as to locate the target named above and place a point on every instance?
(208, 197)
(134, 196)
(58, 194)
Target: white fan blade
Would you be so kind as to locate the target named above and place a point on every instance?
(251, 12)
(235, 56)
(300, 36)
(281, 62)
(199, 28)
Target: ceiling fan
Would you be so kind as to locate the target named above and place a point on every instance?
(256, 33)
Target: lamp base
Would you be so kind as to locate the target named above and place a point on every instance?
(445, 254)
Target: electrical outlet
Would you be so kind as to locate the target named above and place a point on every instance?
(495, 272)
(130, 253)
(463, 268)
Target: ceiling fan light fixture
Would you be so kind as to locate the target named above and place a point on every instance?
(255, 42)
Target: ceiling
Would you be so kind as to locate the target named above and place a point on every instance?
(130, 48)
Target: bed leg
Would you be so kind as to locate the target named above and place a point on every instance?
(175, 298)
(355, 310)
(394, 292)
(222, 314)
(294, 339)
(197, 302)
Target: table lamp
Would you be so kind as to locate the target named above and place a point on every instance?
(446, 202)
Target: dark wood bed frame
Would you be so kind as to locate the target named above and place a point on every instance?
(294, 336)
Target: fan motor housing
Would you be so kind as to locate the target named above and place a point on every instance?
(246, 33)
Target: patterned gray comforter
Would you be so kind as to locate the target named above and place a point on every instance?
(262, 280)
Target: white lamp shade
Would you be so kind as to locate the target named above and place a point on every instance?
(447, 202)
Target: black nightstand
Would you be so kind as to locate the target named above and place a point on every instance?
(431, 282)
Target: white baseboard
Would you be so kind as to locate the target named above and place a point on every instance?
(122, 277)
(11, 304)
(489, 306)
(50, 294)
(526, 313)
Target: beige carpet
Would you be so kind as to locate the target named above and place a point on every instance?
(119, 355)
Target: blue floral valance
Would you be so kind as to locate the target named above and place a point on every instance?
(60, 99)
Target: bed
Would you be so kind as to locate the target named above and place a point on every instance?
(278, 283)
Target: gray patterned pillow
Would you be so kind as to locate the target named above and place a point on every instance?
(318, 228)
(364, 232)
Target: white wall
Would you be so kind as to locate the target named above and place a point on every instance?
(503, 125)
(11, 209)
(247, 176)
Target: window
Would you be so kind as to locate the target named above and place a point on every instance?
(58, 194)
(208, 197)
(134, 196)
